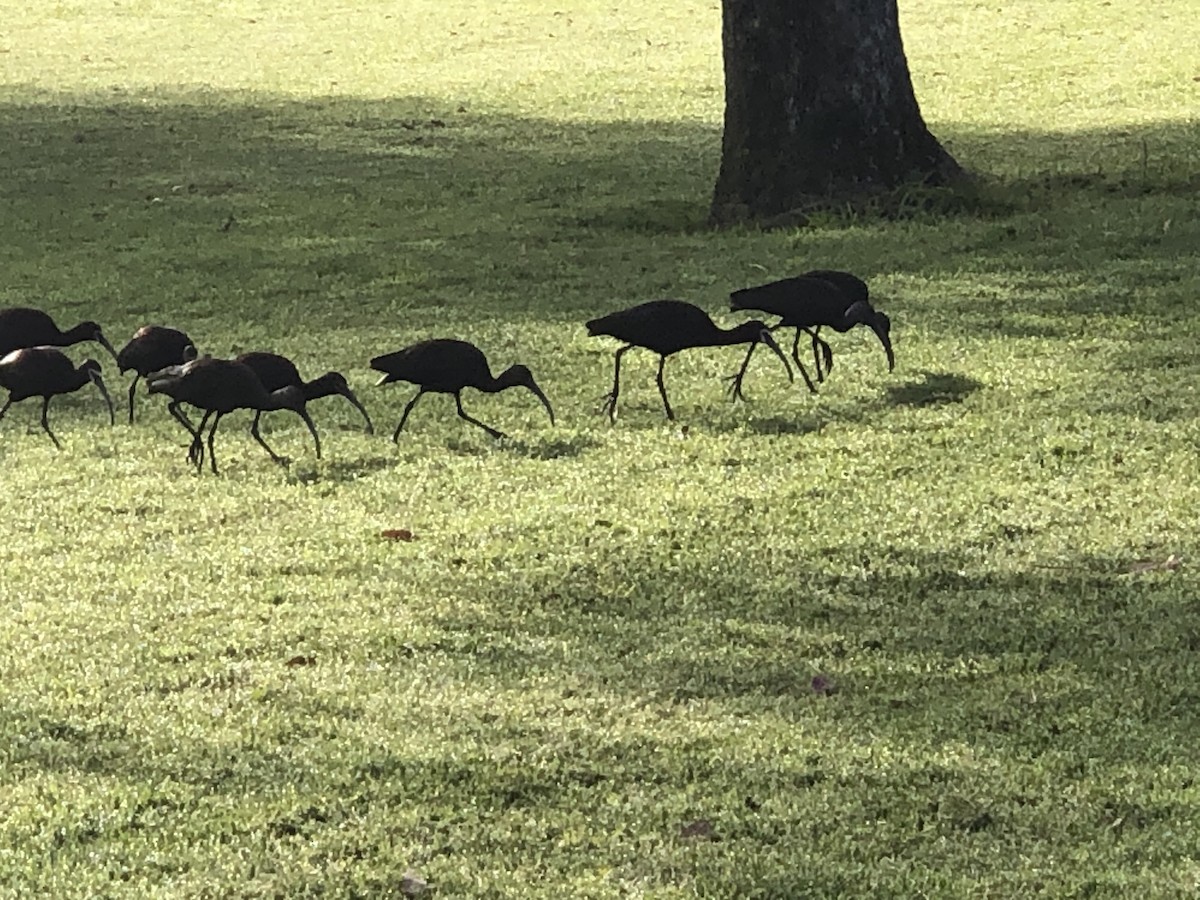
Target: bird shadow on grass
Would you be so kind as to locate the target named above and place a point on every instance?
(784, 425)
(551, 448)
(935, 389)
(340, 471)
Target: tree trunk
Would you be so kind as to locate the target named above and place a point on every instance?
(819, 104)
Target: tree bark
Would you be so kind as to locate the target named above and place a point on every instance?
(819, 104)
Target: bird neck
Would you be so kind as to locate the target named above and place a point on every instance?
(76, 335)
(739, 334)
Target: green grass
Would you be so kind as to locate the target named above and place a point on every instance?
(601, 636)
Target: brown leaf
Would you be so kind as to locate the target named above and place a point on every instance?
(413, 885)
(300, 660)
(823, 685)
(1170, 564)
(700, 830)
(397, 534)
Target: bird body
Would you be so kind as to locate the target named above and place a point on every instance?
(447, 366)
(152, 349)
(220, 386)
(820, 298)
(47, 372)
(276, 371)
(23, 326)
(666, 327)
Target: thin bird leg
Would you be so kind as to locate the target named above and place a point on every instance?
(462, 414)
(735, 381)
(258, 437)
(303, 413)
(6, 406)
(178, 415)
(212, 454)
(404, 418)
(46, 423)
(609, 401)
(820, 347)
(662, 388)
(196, 450)
(136, 376)
(735, 388)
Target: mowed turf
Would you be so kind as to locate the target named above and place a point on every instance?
(931, 633)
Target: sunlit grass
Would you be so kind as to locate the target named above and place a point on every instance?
(591, 672)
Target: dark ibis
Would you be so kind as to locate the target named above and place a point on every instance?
(667, 326)
(21, 326)
(220, 386)
(46, 372)
(152, 349)
(446, 366)
(276, 371)
(808, 303)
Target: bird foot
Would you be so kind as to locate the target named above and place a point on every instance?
(735, 388)
(608, 406)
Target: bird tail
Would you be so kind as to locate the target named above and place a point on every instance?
(385, 362)
(157, 382)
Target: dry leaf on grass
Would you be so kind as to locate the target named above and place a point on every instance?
(397, 534)
(1170, 564)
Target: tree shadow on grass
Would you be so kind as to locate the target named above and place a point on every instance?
(340, 212)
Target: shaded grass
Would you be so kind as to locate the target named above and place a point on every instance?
(897, 639)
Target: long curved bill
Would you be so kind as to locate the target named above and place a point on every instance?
(766, 338)
(99, 383)
(537, 392)
(349, 395)
(886, 340)
(103, 342)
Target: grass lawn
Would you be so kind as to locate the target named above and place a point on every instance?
(923, 634)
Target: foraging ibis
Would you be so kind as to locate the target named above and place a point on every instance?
(152, 349)
(447, 366)
(276, 371)
(46, 372)
(220, 386)
(808, 303)
(21, 326)
(667, 326)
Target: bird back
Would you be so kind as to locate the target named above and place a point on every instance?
(799, 301)
(441, 364)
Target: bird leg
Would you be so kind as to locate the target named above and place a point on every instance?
(662, 389)
(46, 423)
(212, 454)
(462, 414)
(735, 381)
(819, 348)
(303, 413)
(6, 406)
(608, 403)
(132, 387)
(404, 417)
(735, 387)
(258, 437)
(196, 450)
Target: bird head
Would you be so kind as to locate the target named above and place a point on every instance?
(93, 332)
(335, 383)
(865, 314)
(91, 368)
(520, 376)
